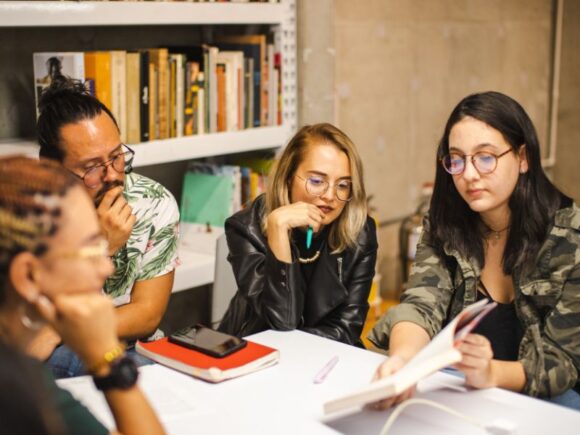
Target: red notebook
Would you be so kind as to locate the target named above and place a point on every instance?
(251, 358)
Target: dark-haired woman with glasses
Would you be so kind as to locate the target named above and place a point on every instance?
(498, 229)
(286, 283)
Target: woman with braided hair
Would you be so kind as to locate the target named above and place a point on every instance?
(53, 262)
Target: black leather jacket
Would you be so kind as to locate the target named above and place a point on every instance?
(272, 294)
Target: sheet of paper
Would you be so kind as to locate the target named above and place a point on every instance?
(163, 387)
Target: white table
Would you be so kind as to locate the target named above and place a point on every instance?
(284, 400)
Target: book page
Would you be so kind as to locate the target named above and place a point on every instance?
(439, 353)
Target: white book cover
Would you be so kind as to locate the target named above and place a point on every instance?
(234, 61)
(48, 64)
(439, 353)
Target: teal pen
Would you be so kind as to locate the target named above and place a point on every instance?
(309, 232)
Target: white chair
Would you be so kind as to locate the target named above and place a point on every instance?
(224, 285)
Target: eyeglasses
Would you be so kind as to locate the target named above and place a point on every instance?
(122, 163)
(317, 186)
(484, 162)
(92, 252)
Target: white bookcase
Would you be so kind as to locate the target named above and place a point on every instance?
(197, 268)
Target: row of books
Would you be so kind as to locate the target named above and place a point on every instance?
(195, 1)
(211, 193)
(160, 93)
(190, 1)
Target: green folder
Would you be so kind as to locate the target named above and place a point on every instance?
(206, 198)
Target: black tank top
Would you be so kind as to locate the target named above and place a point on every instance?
(501, 327)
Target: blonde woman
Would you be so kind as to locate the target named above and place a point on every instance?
(282, 283)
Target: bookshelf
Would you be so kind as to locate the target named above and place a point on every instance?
(197, 268)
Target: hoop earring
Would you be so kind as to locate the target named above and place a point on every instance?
(26, 320)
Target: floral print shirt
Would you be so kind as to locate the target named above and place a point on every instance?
(151, 250)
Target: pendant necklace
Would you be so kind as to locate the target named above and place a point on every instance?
(496, 235)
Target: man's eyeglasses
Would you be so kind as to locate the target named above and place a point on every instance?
(317, 186)
(484, 162)
(122, 163)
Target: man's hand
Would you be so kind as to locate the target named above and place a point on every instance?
(116, 219)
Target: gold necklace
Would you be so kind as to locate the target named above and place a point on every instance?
(311, 259)
(496, 234)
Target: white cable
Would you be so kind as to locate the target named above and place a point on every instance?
(391, 420)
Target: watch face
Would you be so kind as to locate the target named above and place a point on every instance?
(126, 372)
(123, 375)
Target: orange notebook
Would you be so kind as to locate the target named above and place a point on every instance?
(251, 358)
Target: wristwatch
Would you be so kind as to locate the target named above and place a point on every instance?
(123, 375)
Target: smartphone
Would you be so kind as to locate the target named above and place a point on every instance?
(208, 341)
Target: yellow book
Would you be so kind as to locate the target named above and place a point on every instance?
(98, 69)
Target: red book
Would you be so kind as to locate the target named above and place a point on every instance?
(251, 358)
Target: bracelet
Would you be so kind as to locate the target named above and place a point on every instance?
(108, 358)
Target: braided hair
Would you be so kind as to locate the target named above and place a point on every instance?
(31, 192)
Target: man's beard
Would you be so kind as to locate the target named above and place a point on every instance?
(105, 188)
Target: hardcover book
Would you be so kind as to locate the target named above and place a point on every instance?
(251, 358)
(439, 353)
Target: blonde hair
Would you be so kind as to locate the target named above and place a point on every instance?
(345, 230)
(31, 192)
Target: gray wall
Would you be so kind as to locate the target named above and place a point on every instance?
(401, 66)
(567, 169)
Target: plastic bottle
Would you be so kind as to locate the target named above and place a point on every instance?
(410, 231)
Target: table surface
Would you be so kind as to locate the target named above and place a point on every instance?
(283, 399)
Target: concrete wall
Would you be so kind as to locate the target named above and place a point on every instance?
(402, 65)
(567, 169)
(316, 61)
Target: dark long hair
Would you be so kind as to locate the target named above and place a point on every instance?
(533, 202)
(65, 101)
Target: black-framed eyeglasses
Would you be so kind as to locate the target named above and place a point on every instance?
(485, 162)
(318, 186)
(122, 163)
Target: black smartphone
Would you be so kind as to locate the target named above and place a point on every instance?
(208, 341)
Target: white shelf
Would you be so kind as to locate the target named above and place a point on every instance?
(89, 13)
(194, 147)
(196, 269)
(197, 253)
(183, 148)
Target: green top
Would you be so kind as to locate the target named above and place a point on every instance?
(77, 419)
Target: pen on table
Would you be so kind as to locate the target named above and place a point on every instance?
(324, 371)
(309, 232)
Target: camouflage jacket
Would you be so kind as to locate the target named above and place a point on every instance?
(547, 302)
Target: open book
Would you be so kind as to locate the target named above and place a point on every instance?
(251, 358)
(439, 353)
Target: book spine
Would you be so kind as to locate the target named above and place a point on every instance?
(221, 102)
(133, 104)
(144, 96)
(180, 95)
(153, 104)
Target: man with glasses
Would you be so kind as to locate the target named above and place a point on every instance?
(138, 217)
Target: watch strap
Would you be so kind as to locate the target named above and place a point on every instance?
(123, 375)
